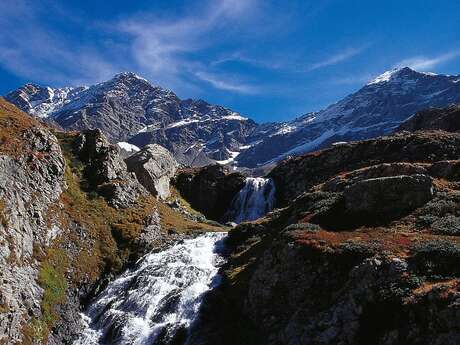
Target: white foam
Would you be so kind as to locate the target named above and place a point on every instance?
(162, 294)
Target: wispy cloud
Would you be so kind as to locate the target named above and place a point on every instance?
(30, 50)
(291, 63)
(273, 63)
(337, 58)
(352, 79)
(223, 83)
(423, 63)
(165, 48)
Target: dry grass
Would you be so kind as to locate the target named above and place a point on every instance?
(172, 220)
(395, 241)
(13, 122)
(3, 218)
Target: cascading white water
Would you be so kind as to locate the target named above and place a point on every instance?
(156, 302)
(254, 200)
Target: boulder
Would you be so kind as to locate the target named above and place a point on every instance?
(388, 196)
(341, 181)
(154, 166)
(106, 171)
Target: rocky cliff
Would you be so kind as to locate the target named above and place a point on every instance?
(71, 217)
(365, 251)
(32, 179)
(210, 189)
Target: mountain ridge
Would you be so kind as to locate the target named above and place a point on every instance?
(128, 108)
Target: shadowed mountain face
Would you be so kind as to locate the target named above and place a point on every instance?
(446, 119)
(129, 108)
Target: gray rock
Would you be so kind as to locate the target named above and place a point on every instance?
(106, 171)
(154, 166)
(388, 196)
(151, 236)
(29, 184)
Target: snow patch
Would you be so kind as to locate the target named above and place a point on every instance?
(233, 155)
(181, 123)
(384, 77)
(128, 147)
(235, 116)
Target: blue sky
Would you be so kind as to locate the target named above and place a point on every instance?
(270, 60)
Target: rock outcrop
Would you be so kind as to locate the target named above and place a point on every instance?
(296, 175)
(31, 181)
(388, 197)
(209, 190)
(105, 170)
(445, 119)
(154, 167)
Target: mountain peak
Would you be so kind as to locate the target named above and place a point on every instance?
(128, 76)
(393, 74)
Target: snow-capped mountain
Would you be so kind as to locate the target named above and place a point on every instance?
(128, 108)
(377, 108)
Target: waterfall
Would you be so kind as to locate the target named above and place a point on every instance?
(253, 201)
(157, 301)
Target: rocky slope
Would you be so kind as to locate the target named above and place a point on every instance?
(296, 175)
(71, 217)
(129, 108)
(446, 119)
(365, 251)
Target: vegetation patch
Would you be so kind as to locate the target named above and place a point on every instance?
(13, 122)
(3, 219)
(52, 278)
(437, 259)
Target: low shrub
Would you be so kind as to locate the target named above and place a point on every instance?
(449, 225)
(437, 259)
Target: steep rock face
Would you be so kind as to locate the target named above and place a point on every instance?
(129, 108)
(348, 297)
(106, 171)
(293, 176)
(31, 180)
(446, 119)
(154, 166)
(209, 190)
